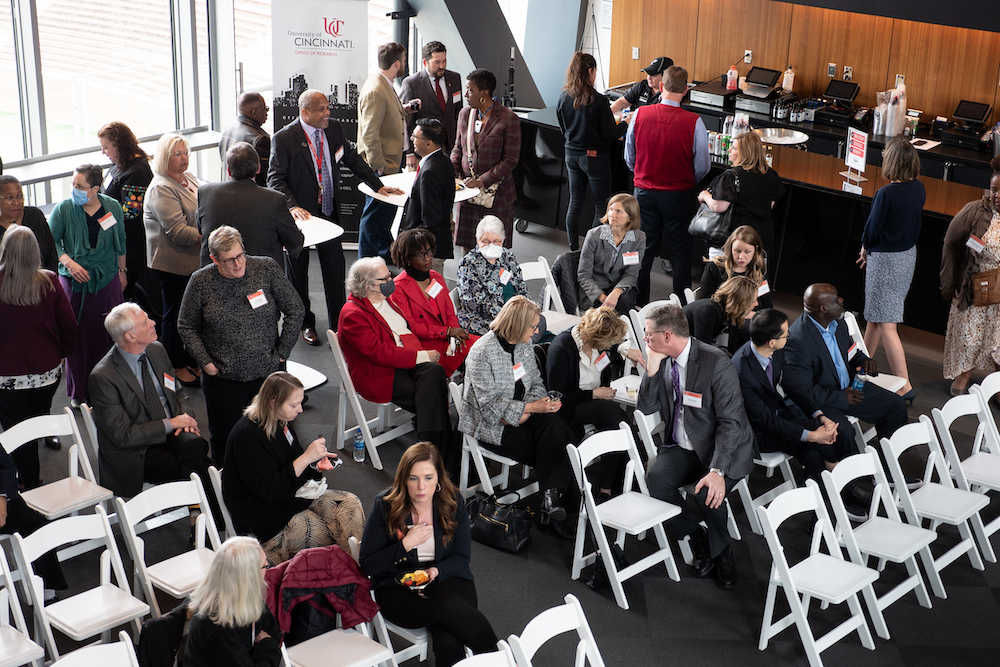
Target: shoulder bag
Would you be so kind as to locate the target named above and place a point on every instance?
(501, 526)
(712, 226)
(986, 288)
(486, 194)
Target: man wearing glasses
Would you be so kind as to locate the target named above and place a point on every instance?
(707, 441)
(229, 323)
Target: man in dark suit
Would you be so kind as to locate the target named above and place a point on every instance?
(304, 168)
(821, 362)
(145, 422)
(707, 441)
(433, 194)
(253, 114)
(260, 213)
(443, 106)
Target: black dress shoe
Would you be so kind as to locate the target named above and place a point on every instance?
(725, 571)
(552, 509)
(53, 443)
(562, 529)
(310, 336)
(701, 560)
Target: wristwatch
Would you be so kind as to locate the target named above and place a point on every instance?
(718, 471)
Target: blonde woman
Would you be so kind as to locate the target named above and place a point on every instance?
(726, 312)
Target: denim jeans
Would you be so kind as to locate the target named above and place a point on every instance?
(374, 235)
(581, 169)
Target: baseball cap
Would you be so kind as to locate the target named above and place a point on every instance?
(658, 66)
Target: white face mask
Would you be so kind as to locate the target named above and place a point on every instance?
(491, 251)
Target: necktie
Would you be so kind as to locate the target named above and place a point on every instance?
(149, 393)
(675, 379)
(769, 371)
(440, 93)
(327, 180)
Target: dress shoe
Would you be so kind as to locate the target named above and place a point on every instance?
(53, 443)
(310, 336)
(958, 392)
(562, 529)
(909, 396)
(552, 509)
(701, 560)
(725, 571)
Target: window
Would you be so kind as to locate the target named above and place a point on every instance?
(253, 49)
(11, 139)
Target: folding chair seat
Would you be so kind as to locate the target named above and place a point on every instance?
(552, 622)
(118, 654)
(215, 474)
(557, 319)
(631, 513)
(827, 577)
(16, 647)
(339, 648)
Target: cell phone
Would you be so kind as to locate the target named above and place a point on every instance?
(919, 142)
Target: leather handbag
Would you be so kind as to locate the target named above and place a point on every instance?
(498, 525)
(486, 194)
(712, 226)
(986, 287)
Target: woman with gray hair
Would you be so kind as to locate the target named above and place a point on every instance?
(488, 276)
(230, 624)
(173, 241)
(386, 360)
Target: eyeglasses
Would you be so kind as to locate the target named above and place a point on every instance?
(781, 337)
(77, 187)
(385, 280)
(423, 254)
(180, 154)
(646, 335)
(233, 261)
(534, 327)
(17, 197)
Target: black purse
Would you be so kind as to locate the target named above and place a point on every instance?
(712, 226)
(498, 525)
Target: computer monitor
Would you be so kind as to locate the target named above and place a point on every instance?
(971, 113)
(763, 77)
(842, 91)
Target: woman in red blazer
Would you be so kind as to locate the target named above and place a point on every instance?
(422, 297)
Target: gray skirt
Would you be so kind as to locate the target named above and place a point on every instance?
(887, 281)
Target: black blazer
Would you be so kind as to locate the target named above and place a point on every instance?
(562, 372)
(431, 201)
(292, 171)
(260, 214)
(809, 370)
(246, 129)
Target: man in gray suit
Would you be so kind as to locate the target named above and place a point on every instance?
(259, 213)
(253, 114)
(440, 93)
(145, 422)
(707, 442)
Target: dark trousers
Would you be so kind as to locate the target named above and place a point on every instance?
(449, 611)
(331, 263)
(172, 288)
(605, 416)
(880, 407)
(541, 443)
(581, 170)
(374, 235)
(16, 405)
(674, 468)
(22, 519)
(626, 302)
(183, 454)
(135, 255)
(666, 212)
(225, 401)
(423, 390)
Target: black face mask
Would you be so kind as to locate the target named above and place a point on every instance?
(417, 274)
(387, 288)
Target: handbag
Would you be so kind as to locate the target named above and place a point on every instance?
(986, 288)
(498, 525)
(712, 226)
(486, 194)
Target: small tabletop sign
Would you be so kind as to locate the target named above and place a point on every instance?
(857, 152)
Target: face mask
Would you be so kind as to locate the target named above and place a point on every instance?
(491, 251)
(417, 275)
(387, 288)
(80, 197)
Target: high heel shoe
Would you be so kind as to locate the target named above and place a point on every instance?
(551, 508)
(562, 529)
(909, 396)
(959, 392)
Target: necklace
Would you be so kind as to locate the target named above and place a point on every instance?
(480, 114)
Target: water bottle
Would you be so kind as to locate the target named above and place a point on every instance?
(732, 77)
(359, 446)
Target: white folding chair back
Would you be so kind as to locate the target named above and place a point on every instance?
(215, 474)
(557, 319)
(888, 382)
(93, 611)
(552, 622)
(990, 437)
(633, 343)
(384, 422)
(826, 577)
(119, 654)
(454, 299)
(638, 318)
(179, 575)
(884, 537)
(16, 647)
(91, 426)
(502, 657)
(630, 513)
(69, 494)
(689, 295)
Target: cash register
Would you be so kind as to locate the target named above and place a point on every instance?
(759, 92)
(839, 110)
(971, 117)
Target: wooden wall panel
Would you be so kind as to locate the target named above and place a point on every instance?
(944, 65)
(626, 32)
(727, 27)
(669, 29)
(822, 36)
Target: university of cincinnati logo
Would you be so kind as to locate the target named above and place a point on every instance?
(332, 27)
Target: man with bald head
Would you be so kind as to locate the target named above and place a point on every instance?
(253, 114)
(821, 361)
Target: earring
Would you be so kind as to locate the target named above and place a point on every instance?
(439, 486)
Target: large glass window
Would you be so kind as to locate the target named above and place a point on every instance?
(11, 138)
(252, 19)
(379, 29)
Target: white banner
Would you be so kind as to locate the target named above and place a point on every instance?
(322, 44)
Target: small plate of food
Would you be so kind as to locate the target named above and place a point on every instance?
(417, 580)
(459, 185)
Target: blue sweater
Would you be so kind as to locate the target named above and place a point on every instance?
(894, 222)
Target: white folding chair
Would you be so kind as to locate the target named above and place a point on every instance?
(119, 654)
(69, 494)
(939, 502)
(502, 657)
(552, 622)
(179, 575)
(689, 295)
(472, 451)
(454, 298)
(630, 513)
(383, 423)
(633, 343)
(16, 647)
(827, 577)
(343, 648)
(91, 426)
(94, 611)
(884, 537)
(557, 319)
(638, 318)
(888, 382)
(215, 474)
(984, 391)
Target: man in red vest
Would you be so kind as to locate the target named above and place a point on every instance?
(667, 149)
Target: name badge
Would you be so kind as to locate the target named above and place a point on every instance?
(339, 155)
(107, 221)
(975, 244)
(519, 371)
(434, 289)
(168, 382)
(763, 289)
(630, 258)
(288, 435)
(851, 351)
(722, 340)
(479, 126)
(504, 276)
(456, 97)
(257, 299)
(692, 399)
(602, 361)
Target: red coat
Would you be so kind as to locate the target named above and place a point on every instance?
(430, 319)
(370, 349)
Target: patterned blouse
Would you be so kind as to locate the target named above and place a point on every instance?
(481, 288)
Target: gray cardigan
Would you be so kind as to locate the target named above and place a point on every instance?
(488, 397)
(173, 243)
(602, 268)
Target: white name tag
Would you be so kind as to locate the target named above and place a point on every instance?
(339, 155)
(763, 289)
(257, 299)
(851, 351)
(504, 276)
(434, 289)
(602, 361)
(975, 244)
(168, 382)
(630, 258)
(692, 400)
(288, 435)
(722, 340)
(456, 97)
(107, 221)
(479, 126)
(519, 371)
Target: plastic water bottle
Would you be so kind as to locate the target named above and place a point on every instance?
(732, 77)
(359, 447)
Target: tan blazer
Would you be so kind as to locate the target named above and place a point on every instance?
(381, 124)
(173, 242)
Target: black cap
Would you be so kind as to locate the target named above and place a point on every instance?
(658, 66)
